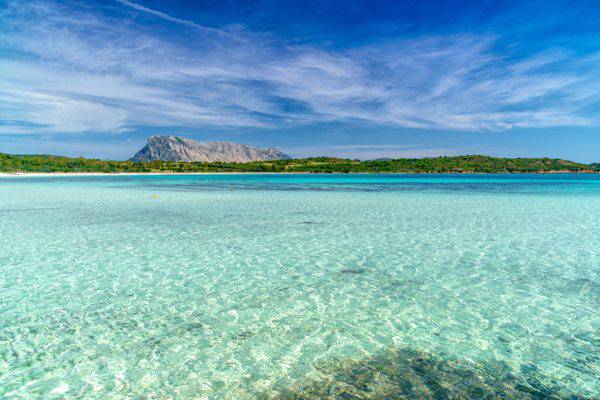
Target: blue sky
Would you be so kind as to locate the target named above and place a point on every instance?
(360, 79)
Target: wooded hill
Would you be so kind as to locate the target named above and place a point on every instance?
(459, 164)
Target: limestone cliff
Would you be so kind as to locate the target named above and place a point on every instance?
(174, 148)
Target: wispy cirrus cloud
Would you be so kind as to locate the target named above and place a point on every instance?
(65, 69)
(160, 14)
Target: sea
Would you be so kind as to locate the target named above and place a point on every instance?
(300, 286)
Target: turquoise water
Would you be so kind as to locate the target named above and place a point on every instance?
(300, 286)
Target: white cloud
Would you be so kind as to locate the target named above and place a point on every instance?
(66, 70)
(62, 114)
(160, 14)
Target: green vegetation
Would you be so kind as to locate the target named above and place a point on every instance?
(460, 164)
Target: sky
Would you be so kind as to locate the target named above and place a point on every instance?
(356, 79)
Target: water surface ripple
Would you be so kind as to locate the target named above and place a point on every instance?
(300, 287)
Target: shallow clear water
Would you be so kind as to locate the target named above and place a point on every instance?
(248, 286)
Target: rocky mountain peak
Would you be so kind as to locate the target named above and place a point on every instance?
(176, 148)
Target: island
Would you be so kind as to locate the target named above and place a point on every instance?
(14, 163)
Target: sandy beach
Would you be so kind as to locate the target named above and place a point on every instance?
(67, 174)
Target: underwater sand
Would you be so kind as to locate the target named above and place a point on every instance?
(300, 286)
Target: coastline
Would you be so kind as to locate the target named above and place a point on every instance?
(68, 174)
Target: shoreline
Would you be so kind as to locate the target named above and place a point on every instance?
(68, 174)
(63, 174)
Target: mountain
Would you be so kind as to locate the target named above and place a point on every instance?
(174, 148)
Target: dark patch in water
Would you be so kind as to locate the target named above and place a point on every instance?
(154, 341)
(503, 339)
(404, 283)
(195, 327)
(583, 286)
(244, 334)
(353, 271)
(308, 222)
(405, 287)
(409, 374)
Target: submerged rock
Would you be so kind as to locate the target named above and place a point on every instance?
(410, 374)
(353, 271)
